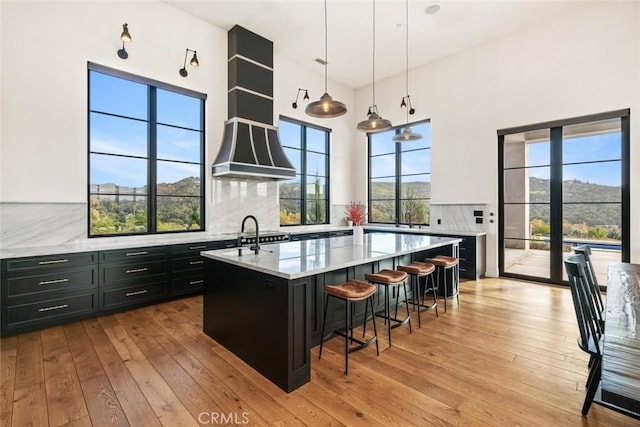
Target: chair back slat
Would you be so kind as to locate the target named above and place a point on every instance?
(585, 251)
(584, 305)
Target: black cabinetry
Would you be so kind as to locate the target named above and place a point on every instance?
(41, 291)
(131, 277)
(187, 267)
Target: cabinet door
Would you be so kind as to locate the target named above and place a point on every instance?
(130, 296)
(51, 281)
(51, 261)
(27, 316)
(132, 272)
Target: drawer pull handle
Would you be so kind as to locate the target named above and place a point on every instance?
(195, 262)
(136, 270)
(196, 282)
(193, 248)
(55, 307)
(53, 282)
(137, 253)
(230, 245)
(131, 294)
(56, 261)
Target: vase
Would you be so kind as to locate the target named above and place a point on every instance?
(358, 235)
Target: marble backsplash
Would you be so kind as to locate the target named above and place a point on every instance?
(460, 217)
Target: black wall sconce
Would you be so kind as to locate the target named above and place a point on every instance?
(305, 97)
(194, 62)
(406, 103)
(125, 37)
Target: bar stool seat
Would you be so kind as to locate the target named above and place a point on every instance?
(350, 292)
(447, 263)
(389, 278)
(417, 270)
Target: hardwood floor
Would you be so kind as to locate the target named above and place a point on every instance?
(506, 356)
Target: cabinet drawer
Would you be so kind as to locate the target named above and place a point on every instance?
(57, 280)
(186, 264)
(51, 261)
(133, 254)
(135, 271)
(52, 310)
(225, 244)
(190, 249)
(132, 295)
(187, 284)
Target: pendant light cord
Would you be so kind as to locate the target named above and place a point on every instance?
(374, 52)
(407, 55)
(326, 59)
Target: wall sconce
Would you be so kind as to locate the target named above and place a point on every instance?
(406, 102)
(306, 98)
(194, 62)
(125, 37)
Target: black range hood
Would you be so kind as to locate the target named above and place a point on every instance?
(250, 144)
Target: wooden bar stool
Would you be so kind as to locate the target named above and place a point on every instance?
(445, 263)
(418, 270)
(350, 292)
(388, 278)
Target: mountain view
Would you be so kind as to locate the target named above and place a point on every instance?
(116, 209)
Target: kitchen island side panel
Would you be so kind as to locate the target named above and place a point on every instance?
(262, 319)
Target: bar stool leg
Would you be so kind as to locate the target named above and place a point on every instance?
(406, 303)
(387, 312)
(373, 319)
(347, 320)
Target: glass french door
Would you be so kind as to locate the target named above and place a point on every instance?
(563, 184)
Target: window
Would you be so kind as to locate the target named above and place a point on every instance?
(146, 151)
(563, 184)
(400, 177)
(305, 199)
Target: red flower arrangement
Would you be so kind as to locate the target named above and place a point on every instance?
(356, 213)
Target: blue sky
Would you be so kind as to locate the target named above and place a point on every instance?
(582, 149)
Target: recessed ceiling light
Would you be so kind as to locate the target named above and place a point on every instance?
(432, 9)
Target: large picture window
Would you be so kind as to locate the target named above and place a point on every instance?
(305, 199)
(146, 151)
(400, 177)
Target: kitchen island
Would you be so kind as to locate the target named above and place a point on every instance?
(266, 308)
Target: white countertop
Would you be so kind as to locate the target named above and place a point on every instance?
(125, 242)
(425, 230)
(295, 259)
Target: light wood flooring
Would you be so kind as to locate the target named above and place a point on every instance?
(506, 356)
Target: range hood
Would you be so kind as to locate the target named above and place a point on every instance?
(250, 145)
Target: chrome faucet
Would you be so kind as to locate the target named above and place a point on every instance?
(255, 248)
(408, 213)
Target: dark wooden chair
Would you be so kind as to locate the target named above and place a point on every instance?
(594, 287)
(590, 340)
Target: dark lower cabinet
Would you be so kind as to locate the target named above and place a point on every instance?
(43, 291)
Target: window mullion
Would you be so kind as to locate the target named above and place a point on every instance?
(398, 186)
(153, 159)
(303, 178)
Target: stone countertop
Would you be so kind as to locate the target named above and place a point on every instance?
(296, 259)
(123, 242)
(426, 230)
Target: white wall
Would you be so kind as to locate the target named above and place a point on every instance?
(577, 65)
(43, 151)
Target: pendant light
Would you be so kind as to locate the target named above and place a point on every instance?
(326, 107)
(374, 122)
(407, 134)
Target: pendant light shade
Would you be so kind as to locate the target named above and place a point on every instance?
(407, 133)
(374, 122)
(326, 107)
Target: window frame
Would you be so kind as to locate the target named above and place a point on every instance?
(151, 157)
(304, 173)
(399, 218)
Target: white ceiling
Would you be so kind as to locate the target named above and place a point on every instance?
(297, 29)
